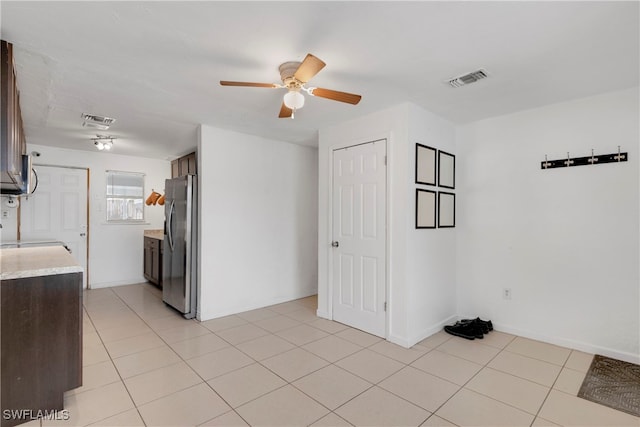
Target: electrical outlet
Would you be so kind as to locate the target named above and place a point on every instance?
(506, 293)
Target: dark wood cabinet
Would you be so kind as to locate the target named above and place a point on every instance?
(185, 165)
(153, 260)
(12, 137)
(175, 168)
(41, 342)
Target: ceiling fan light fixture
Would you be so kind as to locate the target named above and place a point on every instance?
(295, 75)
(294, 100)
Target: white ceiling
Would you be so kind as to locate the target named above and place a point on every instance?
(155, 66)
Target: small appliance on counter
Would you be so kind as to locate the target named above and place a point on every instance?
(180, 245)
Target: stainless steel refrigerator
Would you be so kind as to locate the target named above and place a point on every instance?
(180, 245)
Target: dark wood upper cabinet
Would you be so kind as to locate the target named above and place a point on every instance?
(12, 137)
(175, 168)
(185, 165)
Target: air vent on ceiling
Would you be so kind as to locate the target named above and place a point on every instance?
(98, 122)
(468, 78)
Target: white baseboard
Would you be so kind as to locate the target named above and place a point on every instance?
(565, 342)
(324, 314)
(401, 341)
(117, 283)
(426, 333)
(569, 343)
(209, 315)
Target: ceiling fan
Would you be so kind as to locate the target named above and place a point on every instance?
(295, 76)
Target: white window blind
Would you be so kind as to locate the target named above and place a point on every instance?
(125, 196)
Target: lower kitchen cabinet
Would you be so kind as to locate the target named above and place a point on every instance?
(153, 260)
(41, 344)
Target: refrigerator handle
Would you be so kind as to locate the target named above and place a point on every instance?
(170, 225)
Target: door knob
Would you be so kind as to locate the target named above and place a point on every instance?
(335, 244)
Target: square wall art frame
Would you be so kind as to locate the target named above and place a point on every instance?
(425, 208)
(425, 165)
(446, 210)
(446, 170)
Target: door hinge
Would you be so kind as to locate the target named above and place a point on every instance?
(385, 306)
(385, 160)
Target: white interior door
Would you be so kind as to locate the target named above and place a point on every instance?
(359, 237)
(58, 210)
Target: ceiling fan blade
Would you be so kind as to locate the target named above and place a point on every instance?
(309, 68)
(248, 84)
(335, 95)
(285, 112)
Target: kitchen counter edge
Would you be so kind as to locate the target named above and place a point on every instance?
(19, 263)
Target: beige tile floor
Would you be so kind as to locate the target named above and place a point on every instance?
(283, 366)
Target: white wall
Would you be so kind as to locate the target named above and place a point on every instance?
(565, 241)
(258, 222)
(421, 263)
(9, 218)
(431, 253)
(115, 251)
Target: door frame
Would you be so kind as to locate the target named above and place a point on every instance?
(88, 209)
(329, 238)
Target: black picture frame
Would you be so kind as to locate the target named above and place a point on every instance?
(425, 164)
(426, 209)
(446, 209)
(446, 170)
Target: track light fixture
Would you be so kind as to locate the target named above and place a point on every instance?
(103, 142)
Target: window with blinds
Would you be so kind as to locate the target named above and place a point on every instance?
(125, 196)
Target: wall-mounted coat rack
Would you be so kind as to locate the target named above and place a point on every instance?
(583, 161)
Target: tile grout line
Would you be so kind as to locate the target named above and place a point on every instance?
(230, 345)
(168, 346)
(285, 380)
(310, 373)
(182, 360)
(259, 362)
(551, 388)
(469, 380)
(234, 346)
(290, 383)
(114, 367)
(300, 346)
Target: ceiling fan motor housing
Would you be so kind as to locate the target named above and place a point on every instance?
(287, 71)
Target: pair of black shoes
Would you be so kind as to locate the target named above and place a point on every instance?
(470, 328)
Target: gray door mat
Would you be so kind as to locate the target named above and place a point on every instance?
(613, 383)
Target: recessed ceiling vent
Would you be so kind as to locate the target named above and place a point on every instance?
(468, 78)
(98, 122)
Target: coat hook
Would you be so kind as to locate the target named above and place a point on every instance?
(568, 162)
(593, 159)
(546, 163)
(619, 157)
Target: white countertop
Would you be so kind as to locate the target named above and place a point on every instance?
(16, 263)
